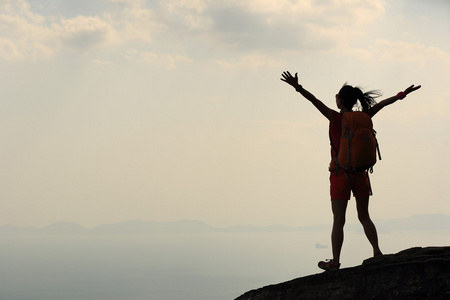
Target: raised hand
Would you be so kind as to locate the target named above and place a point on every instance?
(411, 89)
(291, 80)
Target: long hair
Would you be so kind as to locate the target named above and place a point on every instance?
(350, 95)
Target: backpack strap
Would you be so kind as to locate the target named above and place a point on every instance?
(350, 182)
(378, 146)
(335, 152)
(370, 186)
(348, 135)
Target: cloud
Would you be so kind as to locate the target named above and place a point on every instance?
(8, 49)
(128, 2)
(133, 21)
(260, 26)
(252, 61)
(266, 26)
(384, 50)
(27, 35)
(185, 13)
(24, 34)
(85, 32)
(18, 8)
(159, 60)
(277, 25)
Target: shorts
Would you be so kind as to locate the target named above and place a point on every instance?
(340, 186)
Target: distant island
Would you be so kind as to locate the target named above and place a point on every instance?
(429, 222)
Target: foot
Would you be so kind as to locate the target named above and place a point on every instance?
(329, 265)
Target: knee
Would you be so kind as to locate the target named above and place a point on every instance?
(339, 221)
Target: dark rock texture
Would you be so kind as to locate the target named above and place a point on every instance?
(416, 273)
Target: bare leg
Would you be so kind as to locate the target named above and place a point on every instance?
(362, 205)
(339, 208)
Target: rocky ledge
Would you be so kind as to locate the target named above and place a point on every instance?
(416, 273)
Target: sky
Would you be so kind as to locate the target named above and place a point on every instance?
(161, 110)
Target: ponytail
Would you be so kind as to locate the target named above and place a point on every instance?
(367, 99)
(350, 95)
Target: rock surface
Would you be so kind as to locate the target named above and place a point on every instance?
(416, 273)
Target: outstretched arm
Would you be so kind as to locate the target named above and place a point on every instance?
(377, 107)
(293, 81)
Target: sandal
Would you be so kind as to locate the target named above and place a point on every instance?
(328, 265)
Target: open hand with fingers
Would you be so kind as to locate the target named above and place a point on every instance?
(408, 90)
(411, 89)
(288, 78)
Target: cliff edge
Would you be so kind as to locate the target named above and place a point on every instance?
(416, 273)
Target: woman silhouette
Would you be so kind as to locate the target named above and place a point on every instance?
(340, 187)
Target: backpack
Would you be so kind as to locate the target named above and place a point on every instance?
(358, 147)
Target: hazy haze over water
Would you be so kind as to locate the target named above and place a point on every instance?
(187, 266)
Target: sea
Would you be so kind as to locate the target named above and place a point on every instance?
(219, 266)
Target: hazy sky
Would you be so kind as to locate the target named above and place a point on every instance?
(163, 110)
